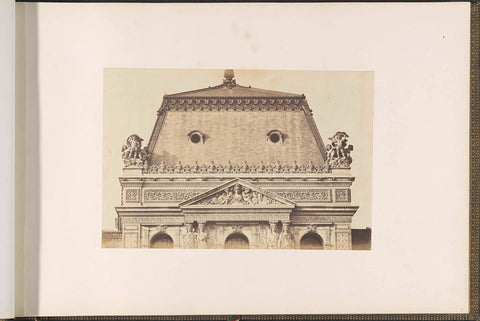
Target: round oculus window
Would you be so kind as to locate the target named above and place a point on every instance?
(195, 138)
(274, 138)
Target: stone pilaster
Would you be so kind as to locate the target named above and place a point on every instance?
(145, 236)
(131, 236)
(343, 237)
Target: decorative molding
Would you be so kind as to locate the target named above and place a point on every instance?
(155, 220)
(132, 195)
(271, 168)
(273, 186)
(237, 217)
(232, 104)
(287, 184)
(314, 219)
(318, 195)
(152, 195)
(342, 195)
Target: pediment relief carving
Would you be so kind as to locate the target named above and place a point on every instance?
(238, 195)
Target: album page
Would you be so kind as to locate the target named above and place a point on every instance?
(246, 158)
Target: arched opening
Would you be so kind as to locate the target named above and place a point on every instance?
(236, 241)
(161, 241)
(311, 241)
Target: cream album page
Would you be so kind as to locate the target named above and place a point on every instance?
(243, 158)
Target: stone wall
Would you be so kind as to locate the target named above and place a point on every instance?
(111, 239)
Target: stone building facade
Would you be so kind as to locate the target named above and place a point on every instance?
(232, 166)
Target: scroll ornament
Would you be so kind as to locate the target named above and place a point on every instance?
(132, 152)
(338, 152)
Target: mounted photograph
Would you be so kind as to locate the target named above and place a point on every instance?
(237, 159)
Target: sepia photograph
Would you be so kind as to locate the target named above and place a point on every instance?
(237, 159)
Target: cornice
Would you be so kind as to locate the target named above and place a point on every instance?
(237, 104)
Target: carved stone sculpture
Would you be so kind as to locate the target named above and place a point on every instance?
(273, 239)
(238, 195)
(338, 153)
(285, 241)
(190, 240)
(202, 236)
(132, 152)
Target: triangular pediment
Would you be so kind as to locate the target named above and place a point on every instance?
(238, 193)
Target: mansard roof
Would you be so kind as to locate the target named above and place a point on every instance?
(235, 123)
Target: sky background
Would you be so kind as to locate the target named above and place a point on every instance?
(341, 101)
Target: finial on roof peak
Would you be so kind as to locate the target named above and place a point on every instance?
(229, 80)
(229, 74)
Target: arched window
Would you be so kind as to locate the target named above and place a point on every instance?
(311, 241)
(236, 241)
(161, 241)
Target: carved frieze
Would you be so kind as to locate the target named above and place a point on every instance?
(163, 195)
(236, 217)
(211, 168)
(342, 195)
(131, 195)
(154, 220)
(236, 104)
(313, 219)
(318, 195)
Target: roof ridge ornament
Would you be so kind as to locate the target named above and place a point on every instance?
(229, 78)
